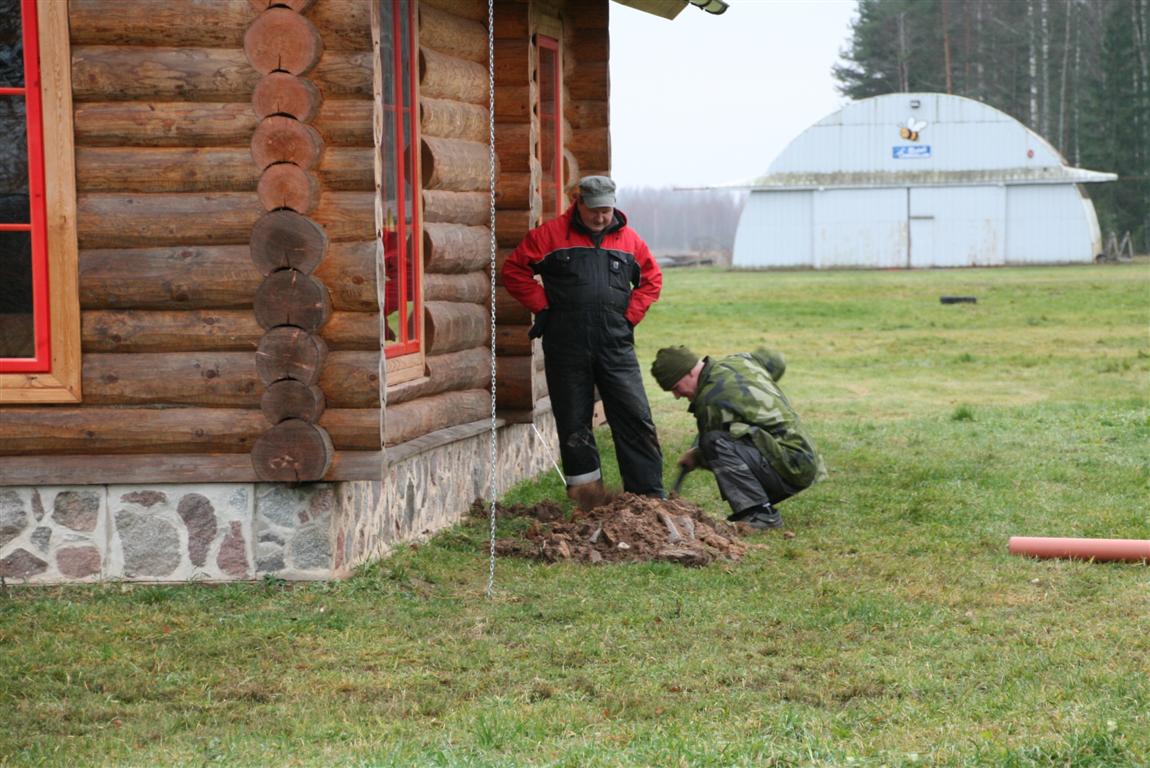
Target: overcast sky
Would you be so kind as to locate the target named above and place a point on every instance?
(706, 100)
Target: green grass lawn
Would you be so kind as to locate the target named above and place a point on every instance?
(893, 629)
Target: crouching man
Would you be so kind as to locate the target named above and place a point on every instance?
(749, 436)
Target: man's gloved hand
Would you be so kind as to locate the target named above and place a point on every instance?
(540, 324)
(689, 460)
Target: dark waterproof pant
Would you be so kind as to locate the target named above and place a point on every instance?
(744, 476)
(594, 348)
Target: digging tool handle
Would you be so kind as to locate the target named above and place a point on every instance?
(683, 470)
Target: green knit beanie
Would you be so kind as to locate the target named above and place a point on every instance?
(672, 364)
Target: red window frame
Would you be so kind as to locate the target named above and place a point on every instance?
(401, 239)
(550, 121)
(41, 361)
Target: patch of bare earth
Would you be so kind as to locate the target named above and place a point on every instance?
(627, 528)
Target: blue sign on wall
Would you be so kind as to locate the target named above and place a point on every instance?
(911, 152)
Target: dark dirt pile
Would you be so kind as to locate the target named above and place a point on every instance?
(628, 528)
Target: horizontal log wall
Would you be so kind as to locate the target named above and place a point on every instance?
(517, 194)
(469, 369)
(455, 165)
(200, 330)
(170, 187)
(582, 28)
(132, 22)
(96, 430)
(474, 10)
(350, 378)
(407, 421)
(447, 207)
(586, 103)
(110, 73)
(291, 304)
(341, 122)
(212, 277)
(178, 468)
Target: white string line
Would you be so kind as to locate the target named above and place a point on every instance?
(550, 455)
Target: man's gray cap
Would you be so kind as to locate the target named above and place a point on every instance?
(597, 191)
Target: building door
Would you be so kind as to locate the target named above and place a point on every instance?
(920, 248)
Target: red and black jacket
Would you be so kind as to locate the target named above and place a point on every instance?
(617, 272)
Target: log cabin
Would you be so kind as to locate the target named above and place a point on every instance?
(248, 323)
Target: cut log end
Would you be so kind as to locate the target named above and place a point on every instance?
(289, 399)
(286, 239)
(287, 186)
(290, 353)
(279, 139)
(281, 93)
(296, 5)
(290, 297)
(292, 451)
(281, 39)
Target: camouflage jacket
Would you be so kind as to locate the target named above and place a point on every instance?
(740, 394)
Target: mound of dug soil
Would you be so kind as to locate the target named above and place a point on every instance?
(628, 528)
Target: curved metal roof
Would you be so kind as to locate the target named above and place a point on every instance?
(919, 139)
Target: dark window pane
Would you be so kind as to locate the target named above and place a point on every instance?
(11, 45)
(13, 162)
(16, 337)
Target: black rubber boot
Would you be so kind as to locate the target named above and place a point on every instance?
(762, 517)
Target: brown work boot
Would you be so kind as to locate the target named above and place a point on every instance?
(587, 496)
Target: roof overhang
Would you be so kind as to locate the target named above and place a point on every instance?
(879, 179)
(669, 9)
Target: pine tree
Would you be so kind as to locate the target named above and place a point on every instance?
(1116, 121)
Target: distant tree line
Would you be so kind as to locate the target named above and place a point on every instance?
(1077, 72)
(679, 222)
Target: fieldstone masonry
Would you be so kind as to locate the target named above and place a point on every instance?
(243, 531)
(52, 534)
(293, 530)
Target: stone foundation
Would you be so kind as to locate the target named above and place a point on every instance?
(244, 531)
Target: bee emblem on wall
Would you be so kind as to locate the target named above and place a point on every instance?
(912, 128)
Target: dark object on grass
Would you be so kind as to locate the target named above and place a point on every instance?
(760, 517)
(679, 478)
(958, 299)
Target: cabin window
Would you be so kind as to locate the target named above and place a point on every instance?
(24, 342)
(550, 152)
(399, 191)
(39, 306)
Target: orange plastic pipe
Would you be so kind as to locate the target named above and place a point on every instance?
(1103, 550)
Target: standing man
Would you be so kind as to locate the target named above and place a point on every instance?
(598, 280)
(749, 436)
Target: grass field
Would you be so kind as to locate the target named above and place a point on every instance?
(893, 629)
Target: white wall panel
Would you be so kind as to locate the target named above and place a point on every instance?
(860, 228)
(968, 226)
(1050, 225)
(774, 230)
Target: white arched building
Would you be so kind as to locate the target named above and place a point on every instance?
(918, 180)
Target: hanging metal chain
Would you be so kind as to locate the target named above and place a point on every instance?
(491, 188)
